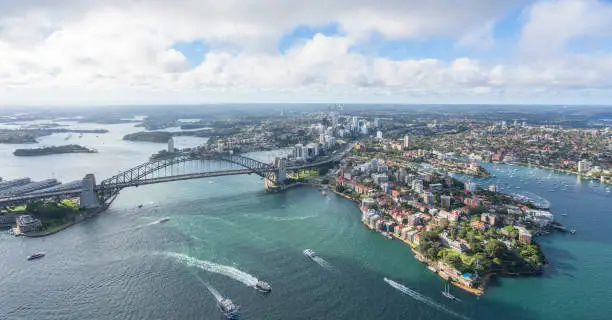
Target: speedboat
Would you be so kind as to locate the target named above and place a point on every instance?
(263, 286)
(140, 206)
(36, 256)
(309, 253)
(228, 308)
(164, 220)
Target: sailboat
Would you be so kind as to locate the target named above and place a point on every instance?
(446, 293)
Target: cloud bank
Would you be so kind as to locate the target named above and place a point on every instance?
(123, 52)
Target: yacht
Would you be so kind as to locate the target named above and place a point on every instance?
(263, 286)
(446, 293)
(36, 256)
(309, 253)
(229, 309)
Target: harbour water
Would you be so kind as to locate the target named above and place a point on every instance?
(227, 232)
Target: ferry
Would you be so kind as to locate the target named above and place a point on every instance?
(228, 308)
(36, 256)
(309, 253)
(263, 286)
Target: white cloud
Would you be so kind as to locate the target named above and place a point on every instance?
(551, 24)
(122, 52)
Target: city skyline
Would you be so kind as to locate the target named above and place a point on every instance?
(193, 52)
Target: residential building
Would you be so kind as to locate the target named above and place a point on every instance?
(298, 151)
(407, 142)
(489, 218)
(378, 122)
(380, 178)
(470, 187)
(584, 166)
(446, 202)
(428, 198)
(524, 235)
(478, 225)
(417, 186)
(170, 145)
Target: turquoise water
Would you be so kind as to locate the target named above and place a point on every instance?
(227, 232)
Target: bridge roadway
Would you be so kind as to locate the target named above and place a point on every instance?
(187, 176)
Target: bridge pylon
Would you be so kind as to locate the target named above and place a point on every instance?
(89, 197)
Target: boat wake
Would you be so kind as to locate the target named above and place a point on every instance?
(212, 290)
(419, 297)
(157, 221)
(227, 271)
(322, 262)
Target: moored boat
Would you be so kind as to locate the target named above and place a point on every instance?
(446, 293)
(36, 256)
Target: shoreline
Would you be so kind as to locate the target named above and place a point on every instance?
(78, 219)
(522, 164)
(475, 291)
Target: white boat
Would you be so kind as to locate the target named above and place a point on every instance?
(228, 308)
(263, 286)
(309, 253)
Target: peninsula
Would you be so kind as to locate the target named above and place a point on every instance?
(71, 148)
(464, 232)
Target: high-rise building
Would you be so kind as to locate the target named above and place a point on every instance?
(170, 145)
(470, 187)
(406, 142)
(378, 123)
(379, 134)
(446, 201)
(365, 129)
(417, 186)
(428, 197)
(355, 122)
(322, 138)
(298, 151)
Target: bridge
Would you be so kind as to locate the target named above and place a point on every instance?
(182, 166)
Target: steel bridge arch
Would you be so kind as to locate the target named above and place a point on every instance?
(110, 187)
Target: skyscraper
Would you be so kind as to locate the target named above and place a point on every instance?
(406, 142)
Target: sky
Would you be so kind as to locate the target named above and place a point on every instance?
(115, 52)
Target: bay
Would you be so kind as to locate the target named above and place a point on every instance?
(226, 232)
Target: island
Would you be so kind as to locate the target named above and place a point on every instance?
(71, 148)
(149, 136)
